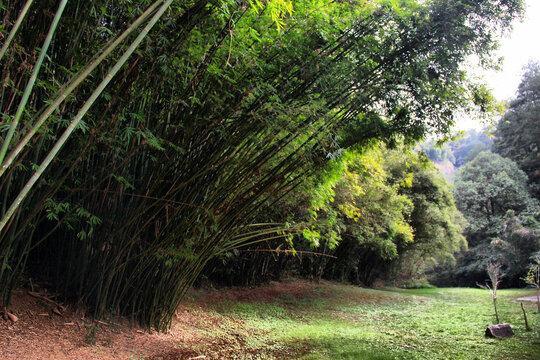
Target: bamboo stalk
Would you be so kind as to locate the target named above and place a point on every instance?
(31, 82)
(76, 120)
(15, 27)
(72, 85)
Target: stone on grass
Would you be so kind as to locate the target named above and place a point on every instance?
(499, 331)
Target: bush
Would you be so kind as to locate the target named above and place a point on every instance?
(417, 284)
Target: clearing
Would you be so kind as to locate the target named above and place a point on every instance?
(287, 320)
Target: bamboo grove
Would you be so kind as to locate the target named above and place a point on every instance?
(150, 134)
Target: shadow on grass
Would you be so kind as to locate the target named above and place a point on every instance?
(335, 346)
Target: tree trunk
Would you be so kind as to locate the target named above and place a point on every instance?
(495, 307)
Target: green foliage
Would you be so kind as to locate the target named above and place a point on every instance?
(394, 213)
(533, 277)
(417, 284)
(489, 186)
(492, 193)
(518, 131)
(391, 212)
(381, 221)
(278, 9)
(435, 219)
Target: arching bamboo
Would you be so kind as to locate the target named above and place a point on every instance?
(72, 85)
(31, 81)
(15, 28)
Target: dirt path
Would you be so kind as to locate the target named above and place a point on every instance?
(40, 333)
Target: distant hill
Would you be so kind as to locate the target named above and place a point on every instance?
(454, 154)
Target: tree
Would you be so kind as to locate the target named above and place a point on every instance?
(395, 214)
(375, 214)
(492, 193)
(533, 279)
(518, 131)
(372, 215)
(436, 222)
(495, 276)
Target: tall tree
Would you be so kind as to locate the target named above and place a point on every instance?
(518, 131)
(393, 213)
(492, 193)
(436, 222)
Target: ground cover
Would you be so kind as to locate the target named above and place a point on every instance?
(346, 322)
(287, 320)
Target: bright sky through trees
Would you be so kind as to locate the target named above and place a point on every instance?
(517, 49)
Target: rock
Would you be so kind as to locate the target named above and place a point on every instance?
(499, 331)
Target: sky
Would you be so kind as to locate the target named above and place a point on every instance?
(517, 49)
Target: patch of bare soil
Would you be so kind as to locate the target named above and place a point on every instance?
(296, 294)
(289, 291)
(272, 292)
(42, 331)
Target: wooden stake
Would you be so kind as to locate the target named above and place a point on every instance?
(525, 317)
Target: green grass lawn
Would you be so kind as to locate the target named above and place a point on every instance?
(345, 322)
